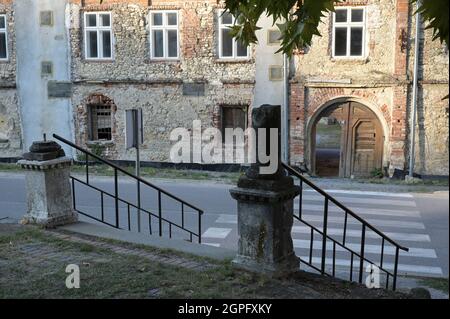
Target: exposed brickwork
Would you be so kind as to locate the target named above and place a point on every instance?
(401, 37)
(381, 81)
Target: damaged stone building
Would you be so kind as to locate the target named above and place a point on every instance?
(360, 74)
(73, 67)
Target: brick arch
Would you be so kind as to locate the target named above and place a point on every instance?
(365, 97)
(81, 122)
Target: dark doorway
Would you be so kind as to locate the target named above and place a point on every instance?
(328, 146)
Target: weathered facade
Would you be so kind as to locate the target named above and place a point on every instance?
(118, 55)
(379, 78)
(10, 120)
(133, 80)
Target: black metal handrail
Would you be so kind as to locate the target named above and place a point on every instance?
(138, 207)
(365, 226)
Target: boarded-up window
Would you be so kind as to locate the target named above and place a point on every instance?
(275, 73)
(46, 18)
(234, 117)
(100, 122)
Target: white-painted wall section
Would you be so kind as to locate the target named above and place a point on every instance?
(267, 91)
(35, 44)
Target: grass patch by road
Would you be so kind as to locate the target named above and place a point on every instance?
(146, 172)
(440, 284)
(386, 181)
(33, 265)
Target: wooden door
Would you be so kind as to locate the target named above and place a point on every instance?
(361, 139)
(364, 142)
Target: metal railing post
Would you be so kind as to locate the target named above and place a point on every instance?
(344, 236)
(102, 206)
(200, 227)
(300, 200)
(159, 213)
(361, 262)
(116, 197)
(87, 169)
(139, 206)
(394, 279)
(73, 195)
(324, 235)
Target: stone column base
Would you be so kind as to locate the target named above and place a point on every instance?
(49, 194)
(265, 219)
(289, 264)
(40, 218)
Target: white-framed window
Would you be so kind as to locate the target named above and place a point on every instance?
(98, 36)
(349, 32)
(229, 47)
(164, 35)
(3, 38)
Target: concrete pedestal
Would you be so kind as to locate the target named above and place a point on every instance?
(265, 219)
(49, 195)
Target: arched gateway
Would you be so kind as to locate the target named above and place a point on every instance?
(359, 150)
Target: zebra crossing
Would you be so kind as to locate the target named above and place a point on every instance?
(396, 215)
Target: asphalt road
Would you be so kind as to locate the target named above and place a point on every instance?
(418, 221)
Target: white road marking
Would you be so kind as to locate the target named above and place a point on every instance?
(369, 249)
(356, 200)
(369, 234)
(404, 268)
(232, 219)
(360, 210)
(227, 219)
(383, 194)
(375, 222)
(211, 244)
(213, 232)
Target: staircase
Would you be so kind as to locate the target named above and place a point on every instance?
(164, 214)
(167, 215)
(324, 260)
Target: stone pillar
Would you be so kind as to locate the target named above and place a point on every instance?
(49, 195)
(265, 209)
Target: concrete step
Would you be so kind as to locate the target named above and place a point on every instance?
(101, 231)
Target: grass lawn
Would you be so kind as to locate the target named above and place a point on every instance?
(149, 172)
(33, 265)
(440, 284)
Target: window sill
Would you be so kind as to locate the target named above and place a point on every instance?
(234, 61)
(4, 61)
(165, 61)
(98, 61)
(100, 142)
(350, 60)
